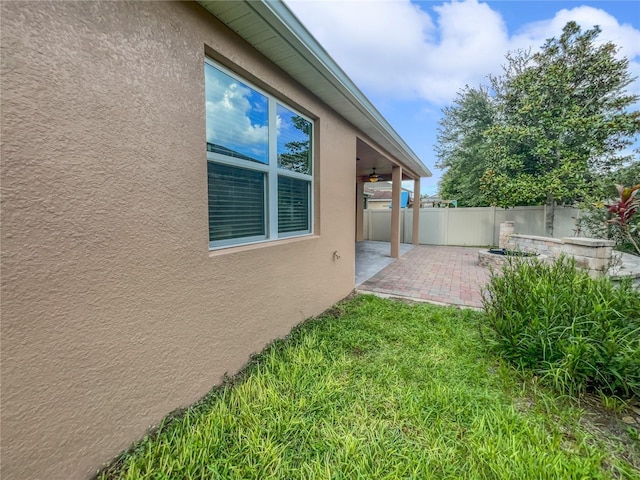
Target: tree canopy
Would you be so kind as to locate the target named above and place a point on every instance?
(461, 149)
(560, 118)
(297, 157)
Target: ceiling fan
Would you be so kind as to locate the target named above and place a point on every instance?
(374, 177)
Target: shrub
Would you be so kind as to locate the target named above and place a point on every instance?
(576, 333)
(596, 218)
(594, 221)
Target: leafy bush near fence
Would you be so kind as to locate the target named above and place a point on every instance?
(594, 221)
(576, 333)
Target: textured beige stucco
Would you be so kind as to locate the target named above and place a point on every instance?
(114, 312)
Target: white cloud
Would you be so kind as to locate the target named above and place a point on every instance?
(232, 101)
(396, 49)
(625, 36)
(374, 41)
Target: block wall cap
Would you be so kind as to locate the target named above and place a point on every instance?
(589, 242)
(537, 238)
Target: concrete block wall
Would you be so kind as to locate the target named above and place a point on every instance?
(535, 244)
(591, 254)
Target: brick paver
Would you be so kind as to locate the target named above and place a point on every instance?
(448, 275)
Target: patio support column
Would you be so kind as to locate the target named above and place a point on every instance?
(396, 190)
(416, 212)
(359, 211)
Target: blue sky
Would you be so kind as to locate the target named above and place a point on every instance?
(237, 118)
(411, 57)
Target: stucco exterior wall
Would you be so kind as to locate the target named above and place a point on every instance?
(114, 312)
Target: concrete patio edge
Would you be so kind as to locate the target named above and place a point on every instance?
(414, 299)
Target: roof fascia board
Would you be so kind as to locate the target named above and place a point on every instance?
(307, 46)
(277, 15)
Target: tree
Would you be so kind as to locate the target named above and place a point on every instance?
(563, 118)
(461, 149)
(296, 158)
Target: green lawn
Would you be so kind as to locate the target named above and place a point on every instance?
(378, 389)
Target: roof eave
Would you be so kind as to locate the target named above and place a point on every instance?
(343, 96)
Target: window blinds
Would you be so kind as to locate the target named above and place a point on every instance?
(236, 203)
(293, 205)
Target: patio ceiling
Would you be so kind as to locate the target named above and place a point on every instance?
(368, 158)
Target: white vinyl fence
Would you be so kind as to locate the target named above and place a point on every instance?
(468, 226)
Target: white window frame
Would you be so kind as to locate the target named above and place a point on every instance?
(271, 171)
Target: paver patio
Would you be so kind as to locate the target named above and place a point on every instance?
(449, 275)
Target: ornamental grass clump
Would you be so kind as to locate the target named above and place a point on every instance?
(574, 332)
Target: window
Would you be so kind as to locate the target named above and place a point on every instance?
(259, 163)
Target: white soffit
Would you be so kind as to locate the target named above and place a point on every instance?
(271, 28)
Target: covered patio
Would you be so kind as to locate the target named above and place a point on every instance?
(371, 257)
(444, 275)
(373, 165)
